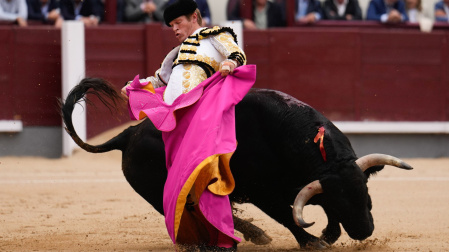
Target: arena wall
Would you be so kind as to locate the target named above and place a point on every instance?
(351, 72)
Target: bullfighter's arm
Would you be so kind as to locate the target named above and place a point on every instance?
(152, 83)
(162, 75)
(156, 80)
(226, 44)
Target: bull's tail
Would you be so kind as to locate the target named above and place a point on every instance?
(106, 94)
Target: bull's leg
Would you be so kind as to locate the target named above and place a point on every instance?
(251, 232)
(332, 231)
(282, 213)
(305, 239)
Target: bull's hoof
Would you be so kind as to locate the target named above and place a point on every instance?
(330, 237)
(258, 239)
(317, 245)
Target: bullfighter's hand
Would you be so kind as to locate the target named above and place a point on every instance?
(227, 67)
(123, 92)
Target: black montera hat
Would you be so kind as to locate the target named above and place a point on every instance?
(179, 8)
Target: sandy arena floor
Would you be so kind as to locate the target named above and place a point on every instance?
(83, 203)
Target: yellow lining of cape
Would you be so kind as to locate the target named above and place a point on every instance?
(149, 87)
(214, 173)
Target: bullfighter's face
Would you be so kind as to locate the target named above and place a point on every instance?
(184, 26)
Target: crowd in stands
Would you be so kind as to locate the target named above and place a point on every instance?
(90, 12)
(265, 13)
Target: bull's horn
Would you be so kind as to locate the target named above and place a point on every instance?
(301, 199)
(370, 160)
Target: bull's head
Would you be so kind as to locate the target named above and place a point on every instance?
(346, 195)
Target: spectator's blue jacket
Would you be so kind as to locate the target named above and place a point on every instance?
(35, 12)
(377, 8)
(89, 7)
(313, 6)
(440, 6)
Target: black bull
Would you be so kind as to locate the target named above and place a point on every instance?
(277, 156)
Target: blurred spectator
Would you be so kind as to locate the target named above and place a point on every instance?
(414, 10)
(46, 11)
(88, 11)
(145, 11)
(283, 5)
(308, 11)
(120, 11)
(342, 10)
(203, 6)
(387, 11)
(14, 11)
(266, 14)
(231, 7)
(442, 11)
(100, 8)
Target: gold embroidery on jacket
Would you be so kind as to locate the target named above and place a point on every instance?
(192, 40)
(200, 58)
(188, 47)
(192, 76)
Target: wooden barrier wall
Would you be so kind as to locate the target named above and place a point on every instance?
(349, 73)
(30, 75)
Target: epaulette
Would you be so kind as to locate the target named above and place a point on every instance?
(206, 32)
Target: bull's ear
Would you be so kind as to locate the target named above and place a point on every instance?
(373, 170)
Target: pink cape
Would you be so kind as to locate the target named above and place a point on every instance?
(198, 126)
